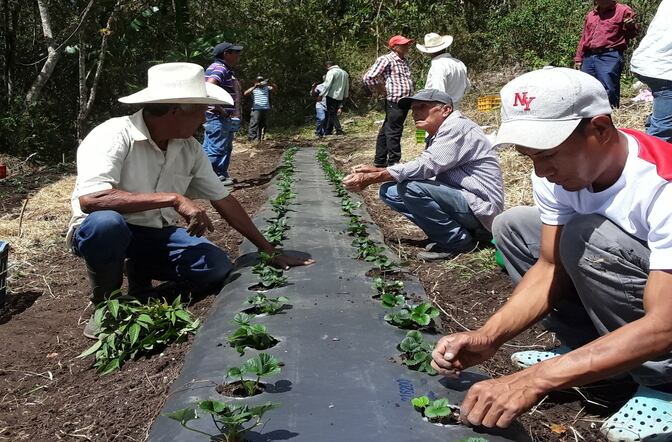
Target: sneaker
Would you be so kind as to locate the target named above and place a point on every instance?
(525, 359)
(226, 180)
(436, 252)
(91, 329)
(646, 416)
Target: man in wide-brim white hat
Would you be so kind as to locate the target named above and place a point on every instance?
(447, 74)
(138, 176)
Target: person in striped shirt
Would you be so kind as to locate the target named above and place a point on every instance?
(453, 190)
(392, 73)
(261, 107)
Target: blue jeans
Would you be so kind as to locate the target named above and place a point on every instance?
(441, 211)
(167, 254)
(659, 123)
(218, 143)
(606, 67)
(321, 119)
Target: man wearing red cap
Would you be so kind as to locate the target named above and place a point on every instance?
(392, 72)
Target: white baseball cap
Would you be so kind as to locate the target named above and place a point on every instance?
(542, 108)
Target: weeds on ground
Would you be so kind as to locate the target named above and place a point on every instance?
(469, 265)
(230, 419)
(129, 329)
(250, 335)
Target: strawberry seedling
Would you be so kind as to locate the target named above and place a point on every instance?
(384, 286)
(250, 335)
(260, 366)
(262, 304)
(417, 353)
(230, 419)
(439, 411)
(389, 300)
(129, 329)
(270, 277)
(413, 316)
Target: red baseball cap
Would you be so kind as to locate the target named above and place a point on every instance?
(398, 40)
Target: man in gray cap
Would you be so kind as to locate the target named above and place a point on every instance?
(453, 190)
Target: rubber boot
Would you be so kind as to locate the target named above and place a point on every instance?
(104, 280)
(139, 283)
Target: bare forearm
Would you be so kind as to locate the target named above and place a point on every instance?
(234, 214)
(530, 301)
(126, 202)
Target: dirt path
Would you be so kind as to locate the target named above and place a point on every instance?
(45, 393)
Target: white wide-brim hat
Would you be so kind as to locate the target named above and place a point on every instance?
(178, 83)
(435, 43)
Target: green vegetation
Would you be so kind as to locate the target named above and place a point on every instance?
(250, 335)
(260, 366)
(269, 277)
(263, 304)
(230, 419)
(417, 353)
(410, 316)
(130, 329)
(437, 411)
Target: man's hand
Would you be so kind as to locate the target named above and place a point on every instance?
(356, 182)
(339, 111)
(365, 168)
(497, 402)
(577, 65)
(459, 351)
(282, 261)
(195, 215)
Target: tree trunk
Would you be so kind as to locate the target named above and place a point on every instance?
(9, 25)
(53, 54)
(85, 104)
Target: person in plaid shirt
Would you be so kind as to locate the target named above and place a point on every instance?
(392, 72)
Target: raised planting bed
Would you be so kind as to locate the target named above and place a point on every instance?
(344, 375)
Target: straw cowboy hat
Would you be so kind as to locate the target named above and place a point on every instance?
(435, 43)
(178, 83)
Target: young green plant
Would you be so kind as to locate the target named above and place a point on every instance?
(438, 411)
(261, 366)
(261, 303)
(417, 353)
(250, 335)
(409, 316)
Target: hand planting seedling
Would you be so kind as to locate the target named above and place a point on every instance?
(129, 329)
(263, 304)
(262, 365)
(417, 353)
(230, 419)
(250, 335)
(438, 412)
(413, 316)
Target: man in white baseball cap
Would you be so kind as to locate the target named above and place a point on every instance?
(592, 262)
(138, 176)
(446, 73)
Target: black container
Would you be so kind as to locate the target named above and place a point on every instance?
(4, 254)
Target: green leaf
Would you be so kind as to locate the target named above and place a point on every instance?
(183, 415)
(91, 349)
(134, 332)
(145, 318)
(420, 402)
(113, 365)
(212, 406)
(113, 307)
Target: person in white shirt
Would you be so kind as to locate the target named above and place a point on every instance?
(336, 90)
(446, 73)
(652, 64)
(138, 176)
(593, 262)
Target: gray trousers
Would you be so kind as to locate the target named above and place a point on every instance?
(258, 122)
(608, 268)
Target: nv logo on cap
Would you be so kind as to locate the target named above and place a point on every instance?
(521, 99)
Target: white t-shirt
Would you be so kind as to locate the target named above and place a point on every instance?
(640, 202)
(119, 154)
(653, 56)
(448, 75)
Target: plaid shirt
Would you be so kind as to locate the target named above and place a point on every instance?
(395, 72)
(460, 156)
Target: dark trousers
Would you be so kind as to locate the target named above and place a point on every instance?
(258, 120)
(606, 67)
(332, 116)
(388, 143)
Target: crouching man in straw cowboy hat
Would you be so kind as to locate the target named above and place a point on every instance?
(138, 175)
(446, 74)
(593, 262)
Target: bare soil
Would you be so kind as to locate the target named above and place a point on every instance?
(45, 393)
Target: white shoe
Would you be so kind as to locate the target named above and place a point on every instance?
(525, 359)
